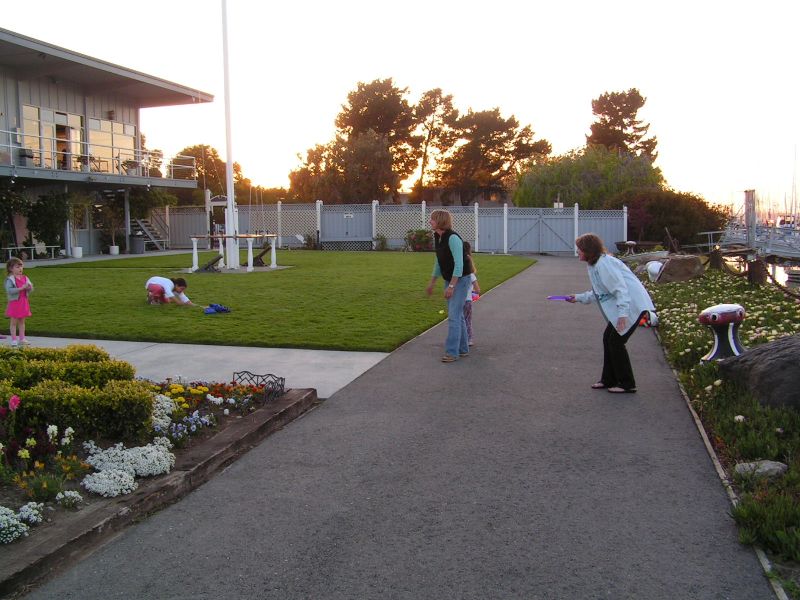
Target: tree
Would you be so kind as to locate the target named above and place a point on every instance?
(210, 171)
(651, 211)
(435, 116)
(382, 108)
(617, 127)
(489, 148)
(357, 169)
(590, 176)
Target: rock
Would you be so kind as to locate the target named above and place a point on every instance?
(761, 468)
(680, 268)
(770, 372)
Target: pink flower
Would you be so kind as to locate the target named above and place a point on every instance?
(13, 403)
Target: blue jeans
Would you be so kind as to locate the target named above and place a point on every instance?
(457, 341)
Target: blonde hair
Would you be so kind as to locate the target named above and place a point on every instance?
(442, 219)
(13, 262)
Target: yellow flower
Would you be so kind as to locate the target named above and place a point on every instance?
(38, 465)
(30, 443)
(24, 454)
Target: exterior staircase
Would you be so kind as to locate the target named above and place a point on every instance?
(151, 234)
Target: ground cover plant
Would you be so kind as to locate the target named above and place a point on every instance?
(367, 301)
(741, 430)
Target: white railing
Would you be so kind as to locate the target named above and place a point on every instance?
(64, 155)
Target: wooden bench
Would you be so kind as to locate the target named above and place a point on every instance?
(30, 251)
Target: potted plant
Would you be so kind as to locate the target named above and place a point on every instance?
(114, 220)
(132, 167)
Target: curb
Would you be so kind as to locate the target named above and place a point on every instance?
(66, 543)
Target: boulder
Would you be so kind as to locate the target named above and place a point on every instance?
(771, 372)
(680, 268)
(761, 468)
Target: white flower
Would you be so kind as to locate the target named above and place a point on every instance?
(52, 433)
(31, 513)
(110, 483)
(11, 527)
(231, 401)
(162, 409)
(142, 461)
(67, 439)
(69, 499)
(226, 412)
(738, 419)
(718, 382)
(214, 400)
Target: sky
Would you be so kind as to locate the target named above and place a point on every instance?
(720, 78)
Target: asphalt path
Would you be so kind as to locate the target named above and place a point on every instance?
(501, 475)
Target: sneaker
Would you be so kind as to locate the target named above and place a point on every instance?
(471, 343)
(24, 343)
(462, 354)
(447, 358)
(14, 344)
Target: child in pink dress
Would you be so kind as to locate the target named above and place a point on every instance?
(17, 286)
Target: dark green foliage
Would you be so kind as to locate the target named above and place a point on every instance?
(650, 211)
(617, 127)
(590, 176)
(46, 218)
(419, 240)
(773, 521)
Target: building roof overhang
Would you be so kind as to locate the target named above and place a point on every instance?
(28, 58)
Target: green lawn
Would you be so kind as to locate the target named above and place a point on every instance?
(328, 300)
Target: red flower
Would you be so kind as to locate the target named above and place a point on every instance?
(13, 403)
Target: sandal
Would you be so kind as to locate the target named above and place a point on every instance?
(448, 358)
(598, 386)
(619, 390)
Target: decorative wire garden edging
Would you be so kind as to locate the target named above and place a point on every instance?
(272, 385)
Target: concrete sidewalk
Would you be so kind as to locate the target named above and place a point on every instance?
(325, 371)
(499, 476)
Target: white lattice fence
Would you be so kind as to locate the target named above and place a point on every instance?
(263, 218)
(297, 219)
(394, 222)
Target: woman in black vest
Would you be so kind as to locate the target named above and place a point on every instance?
(451, 264)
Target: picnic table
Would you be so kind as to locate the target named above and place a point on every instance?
(233, 261)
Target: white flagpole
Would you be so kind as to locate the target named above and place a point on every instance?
(231, 227)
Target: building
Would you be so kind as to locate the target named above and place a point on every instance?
(69, 125)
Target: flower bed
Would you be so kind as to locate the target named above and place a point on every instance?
(740, 429)
(42, 465)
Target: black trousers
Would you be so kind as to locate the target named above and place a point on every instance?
(617, 371)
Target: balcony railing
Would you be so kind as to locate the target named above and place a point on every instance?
(63, 155)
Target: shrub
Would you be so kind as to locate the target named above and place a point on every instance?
(27, 373)
(75, 352)
(120, 410)
(419, 240)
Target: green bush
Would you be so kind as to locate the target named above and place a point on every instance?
(76, 352)
(27, 373)
(419, 240)
(120, 411)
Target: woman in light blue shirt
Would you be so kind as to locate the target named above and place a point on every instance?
(624, 303)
